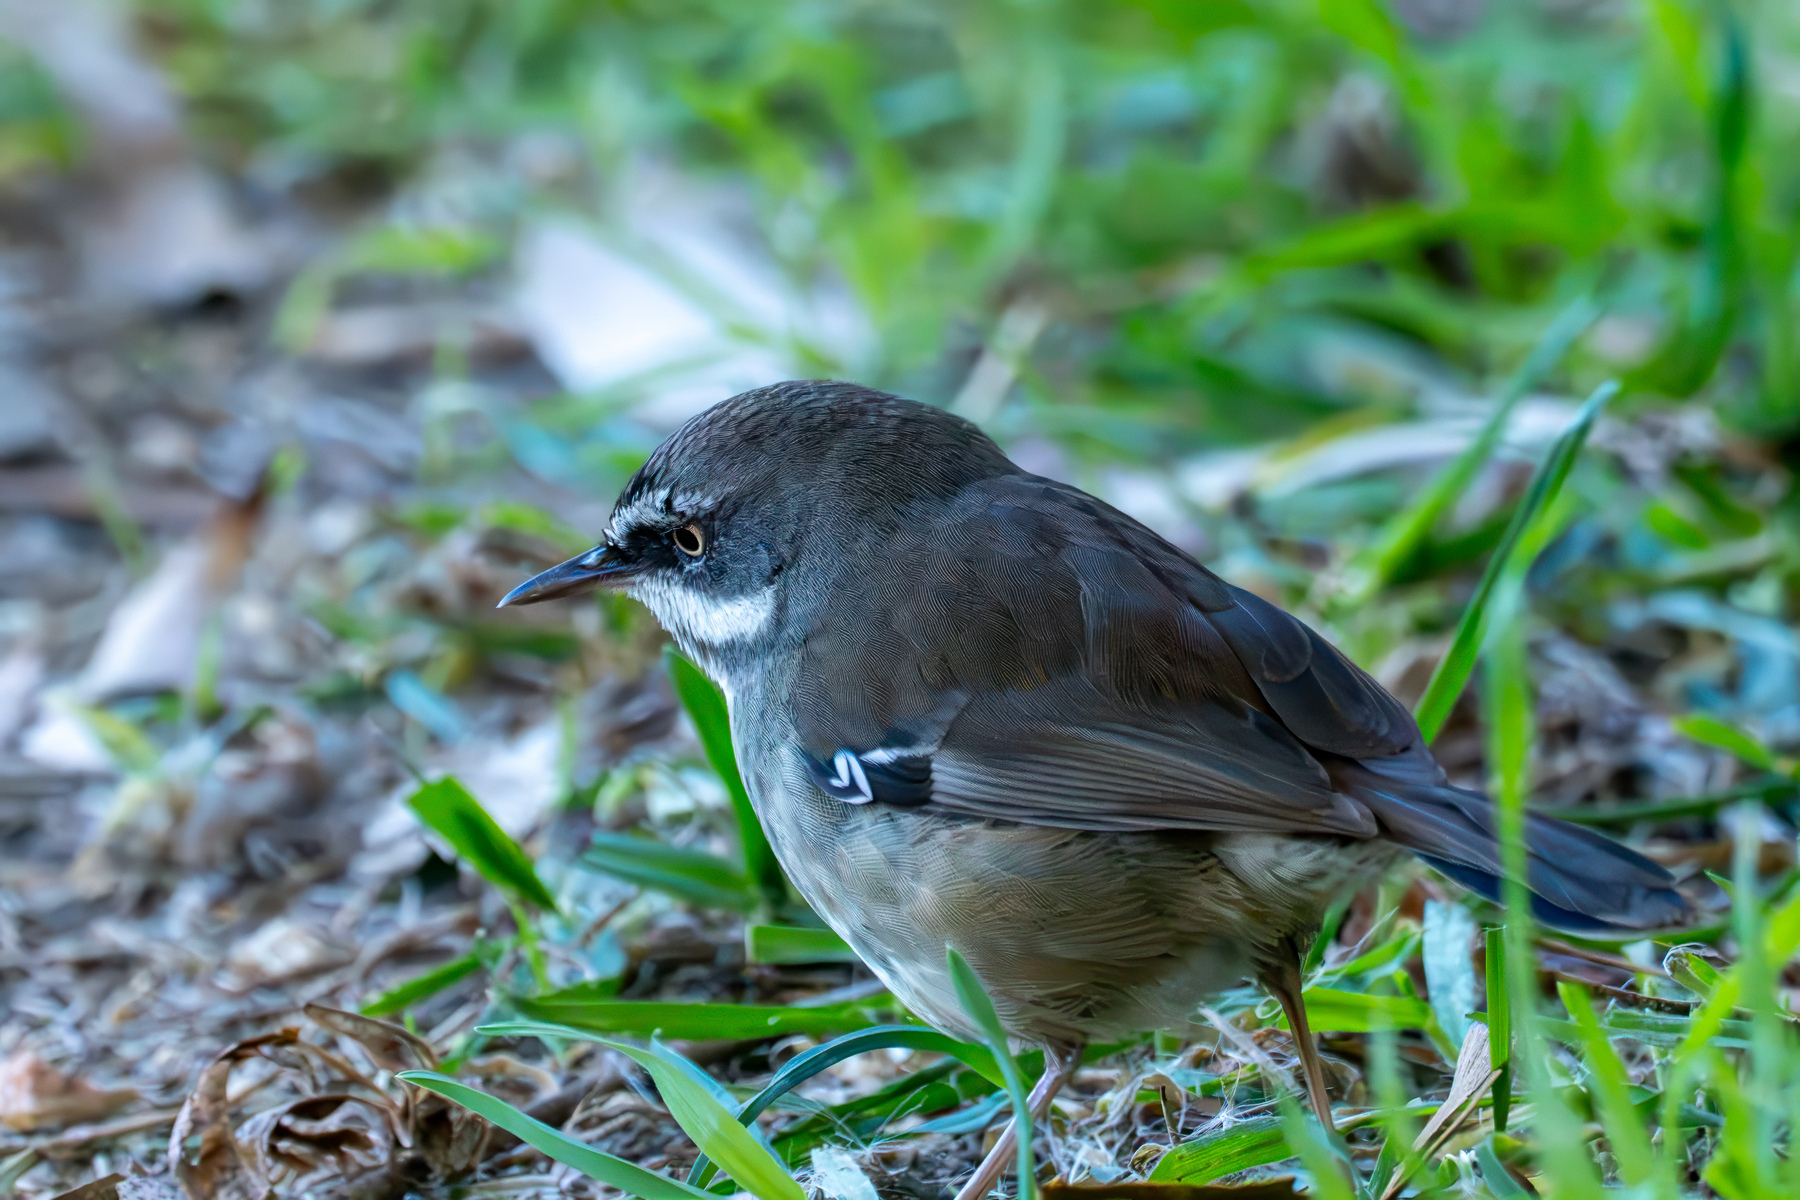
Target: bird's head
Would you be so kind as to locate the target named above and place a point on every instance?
(739, 526)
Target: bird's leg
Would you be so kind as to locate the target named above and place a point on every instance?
(1059, 1064)
(1282, 978)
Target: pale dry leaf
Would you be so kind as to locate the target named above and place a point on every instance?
(152, 640)
(283, 948)
(1475, 1074)
(61, 741)
(372, 335)
(21, 675)
(597, 315)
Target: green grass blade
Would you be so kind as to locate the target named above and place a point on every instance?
(713, 1127)
(1389, 1087)
(1740, 1165)
(1331, 1010)
(702, 879)
(939, 1086)
(1252, 1143)
(1454, 668)
(448, 808)
(1499, 1022)
(1378, 233)
(1329, 1168)
(1624, 1127)
(1783, 936)
(1727, 737)
(1507, 701)
(430, 983)
(795, 944)
(706, 706)
(975, 1002)
(1692, 971)
(1499, 1180)
(126, 744)
(1767, 789)
(553, 1031)
(1652, 1029)
(973, 1118)
(1401, 537)
(1322, 941)
(804, 1066)
(608, 1169)
(695, 1021)
(1772, 1041)
(698, 1077)
(911, 1037)
(529, 519)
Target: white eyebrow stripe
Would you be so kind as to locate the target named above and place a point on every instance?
(645, 509)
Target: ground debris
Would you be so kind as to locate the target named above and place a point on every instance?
(35, 1095)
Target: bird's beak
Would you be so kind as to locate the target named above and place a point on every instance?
(600, 567)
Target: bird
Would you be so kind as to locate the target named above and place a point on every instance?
(978, 709)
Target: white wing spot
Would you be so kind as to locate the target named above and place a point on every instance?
(850, 769)
(882, 755)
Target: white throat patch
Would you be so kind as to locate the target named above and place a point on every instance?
(702, 620)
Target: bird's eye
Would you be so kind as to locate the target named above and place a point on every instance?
(689, 540)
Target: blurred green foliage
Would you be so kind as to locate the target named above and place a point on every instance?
(1201, 192)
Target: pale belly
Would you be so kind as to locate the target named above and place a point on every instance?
(1076, 935)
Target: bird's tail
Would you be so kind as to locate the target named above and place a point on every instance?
(1580, 881)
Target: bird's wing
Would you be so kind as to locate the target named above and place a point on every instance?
(1033, 655)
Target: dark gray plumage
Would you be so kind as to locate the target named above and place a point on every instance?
(981, 708)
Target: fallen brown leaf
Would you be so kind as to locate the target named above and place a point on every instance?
(202, 1151)
(318, 1140)
(34, 1095)
(390, 1047)
(100, 1189)
(449, 1136)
